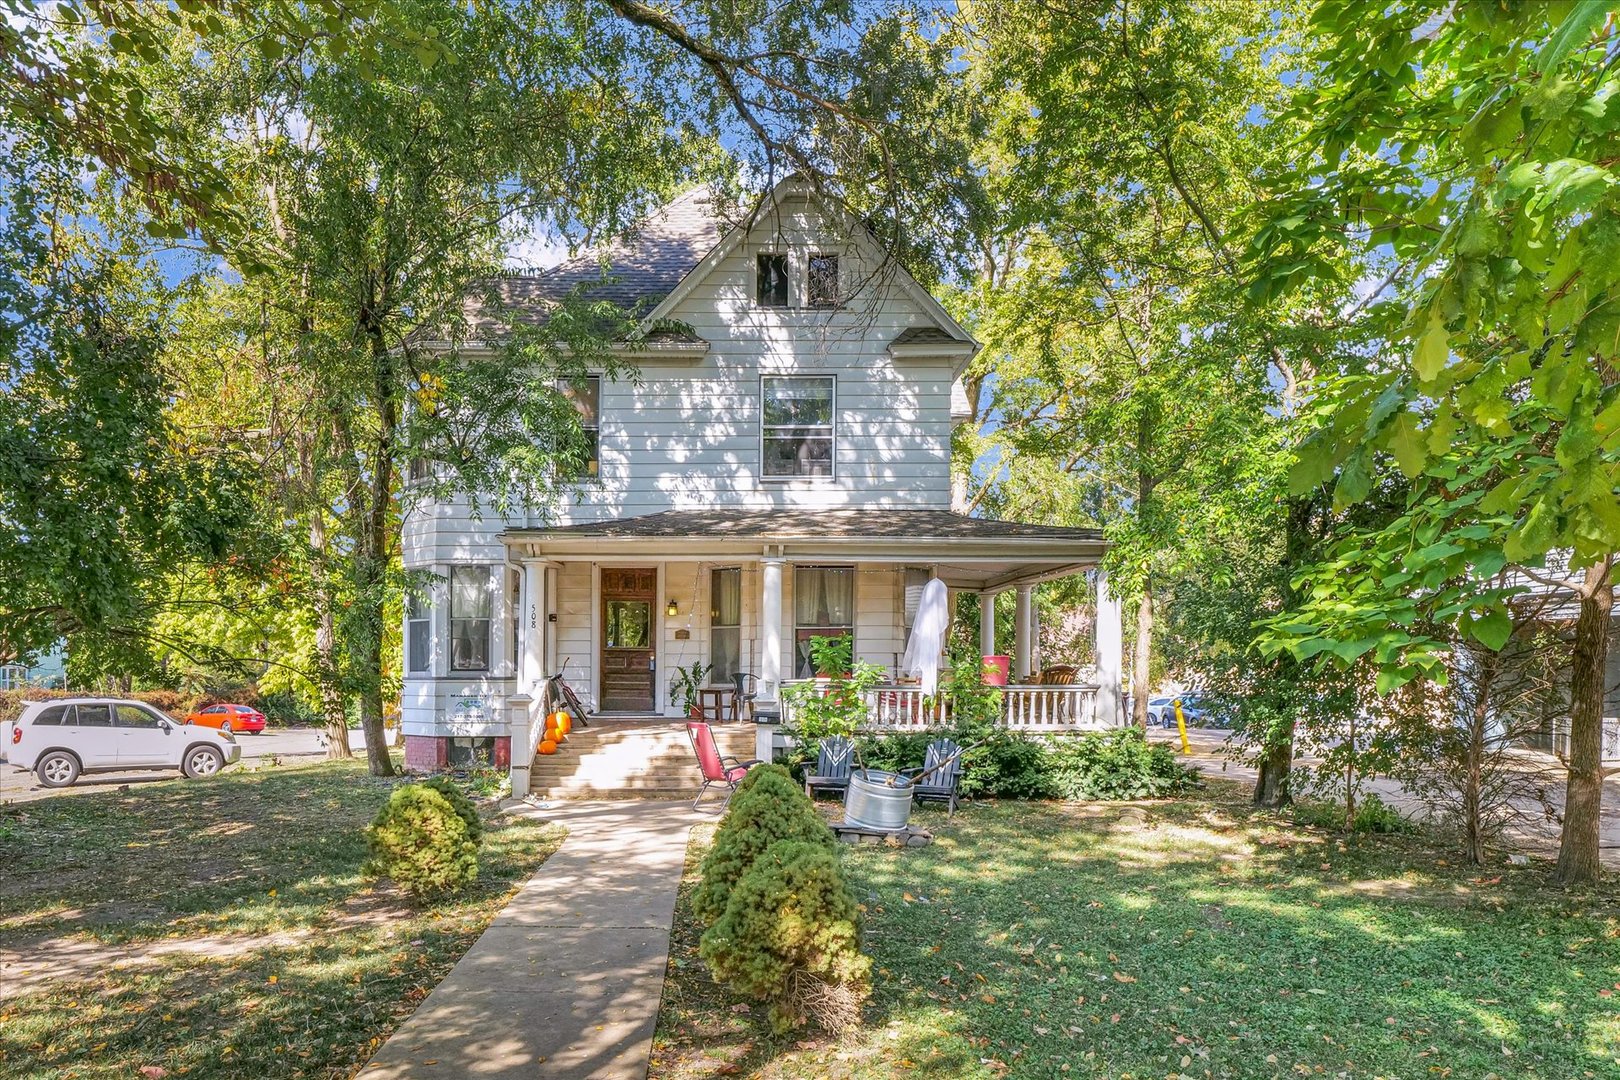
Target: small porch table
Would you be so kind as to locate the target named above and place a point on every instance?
(724, 699)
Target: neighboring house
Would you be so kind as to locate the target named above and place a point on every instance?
(781, 470)
(48, 672)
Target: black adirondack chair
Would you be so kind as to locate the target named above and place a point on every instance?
(940, 774)
(833, 762)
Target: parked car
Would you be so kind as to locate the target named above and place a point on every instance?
(61, 740)
(1162, 710)
(238, 718)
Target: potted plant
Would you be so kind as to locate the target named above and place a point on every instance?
(685, 684)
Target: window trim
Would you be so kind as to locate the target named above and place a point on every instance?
(787, 279)
(810, 300)
(487, 620)
(832, 430)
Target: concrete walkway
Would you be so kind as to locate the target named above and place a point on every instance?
(566, 981)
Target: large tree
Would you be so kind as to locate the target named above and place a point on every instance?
(1470, 148)
(1119, 352)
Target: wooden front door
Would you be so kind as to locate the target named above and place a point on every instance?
(628, 657)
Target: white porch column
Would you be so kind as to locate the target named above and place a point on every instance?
(770, 629)
(987, 624)
(1109, 637)
(1021, 627)
(535, 628)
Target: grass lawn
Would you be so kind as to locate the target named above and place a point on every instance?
(254, 946)
(1195, 938)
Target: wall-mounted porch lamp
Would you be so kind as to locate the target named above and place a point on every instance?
(672, 610)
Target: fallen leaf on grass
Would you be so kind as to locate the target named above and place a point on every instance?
(1120, 976)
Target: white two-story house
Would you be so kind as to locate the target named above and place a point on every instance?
(780, 471)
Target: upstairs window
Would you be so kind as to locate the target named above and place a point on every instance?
(797, 426)
(469, 618)
(771, 281)
(821, 285)
(586, 395)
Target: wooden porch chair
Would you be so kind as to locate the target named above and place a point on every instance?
(834, 759)
(714, 768)
(940, 785)
(1057, 705)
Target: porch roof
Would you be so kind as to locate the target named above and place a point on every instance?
(967, 552)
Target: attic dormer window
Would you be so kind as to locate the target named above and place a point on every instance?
(821, 285)
(771, 288)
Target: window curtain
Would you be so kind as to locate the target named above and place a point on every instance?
(824, 596)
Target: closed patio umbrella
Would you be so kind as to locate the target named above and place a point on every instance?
(928, 637)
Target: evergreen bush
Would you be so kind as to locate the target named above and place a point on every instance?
(790, 937)
(461, 802)
(768, 807)
(421, 841)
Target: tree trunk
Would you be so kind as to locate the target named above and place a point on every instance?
(1583, 794)
(1271, 786)
(1473, 798)
(1141, 654)
(328, 677)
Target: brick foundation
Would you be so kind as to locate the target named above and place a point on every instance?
(425, 753)
(431, 753)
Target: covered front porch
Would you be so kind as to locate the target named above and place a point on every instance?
(619, 607)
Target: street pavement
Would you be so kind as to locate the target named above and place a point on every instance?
(1535, 833)
(288, 744)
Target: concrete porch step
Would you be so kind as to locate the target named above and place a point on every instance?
(640, 760)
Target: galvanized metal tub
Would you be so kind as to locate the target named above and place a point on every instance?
(878, 800)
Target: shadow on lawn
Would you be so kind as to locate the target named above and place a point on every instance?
(1122, 939)
(313, 963)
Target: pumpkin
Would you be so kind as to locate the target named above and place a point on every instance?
(555, 719)
(565, 723)
(548, 747)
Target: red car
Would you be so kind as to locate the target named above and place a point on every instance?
(244, 718)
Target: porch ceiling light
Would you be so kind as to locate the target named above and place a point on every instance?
(672, 610)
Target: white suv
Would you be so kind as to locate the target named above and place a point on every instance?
(61, 739)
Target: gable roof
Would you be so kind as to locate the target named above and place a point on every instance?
(668, 254)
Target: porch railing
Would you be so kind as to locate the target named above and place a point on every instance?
(1030, 708)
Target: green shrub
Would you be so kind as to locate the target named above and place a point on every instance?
(768, 807)
(790, 938)
(421, 841)
(1007, 765)
(1118, 764)
(459, 801)
(1373, 815)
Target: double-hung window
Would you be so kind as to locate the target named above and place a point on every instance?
(725, 623)
(418, 635)
(469, 618)
(586, 394)
(797, 436)
(823, 606)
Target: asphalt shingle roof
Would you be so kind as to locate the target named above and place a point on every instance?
(643, 268)
(742, 524)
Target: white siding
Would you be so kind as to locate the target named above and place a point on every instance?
(687, 436)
